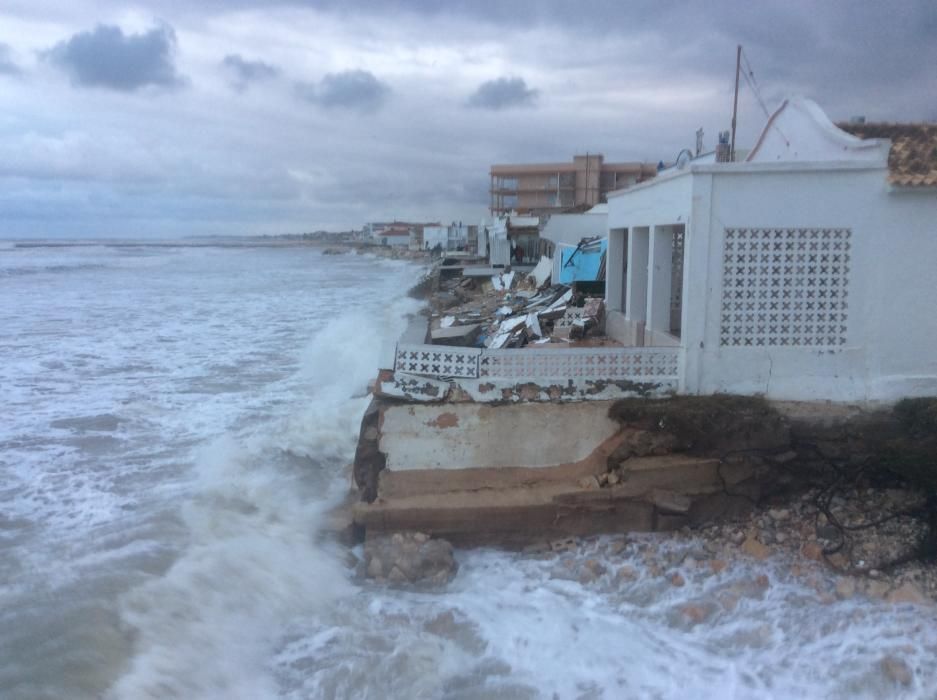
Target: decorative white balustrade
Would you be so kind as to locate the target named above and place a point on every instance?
(437, 360)
(648, 364)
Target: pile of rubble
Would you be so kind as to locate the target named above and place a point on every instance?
(513, 310)
(408, 558)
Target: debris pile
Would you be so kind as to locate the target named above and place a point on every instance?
(513, 310)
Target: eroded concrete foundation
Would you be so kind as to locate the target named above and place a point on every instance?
(514, 473)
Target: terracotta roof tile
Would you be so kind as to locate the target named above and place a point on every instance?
(912, 161)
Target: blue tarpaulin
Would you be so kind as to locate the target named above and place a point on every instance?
(581, 263)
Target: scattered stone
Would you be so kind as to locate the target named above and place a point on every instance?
(718, 565)
(589, 482)
(876, 589)
(896, 670)
(907, 593)
(812, 550)
(753, 548)
(591, 570)
(779, 514)
(670, 501)
(827, 532)
(396, 576)
(677, 580)
(845, 588)
(695, 613)
(626, 573)
(567, 544)
(375, 568)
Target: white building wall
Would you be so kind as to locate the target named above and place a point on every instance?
(887, 353)
(891, 326)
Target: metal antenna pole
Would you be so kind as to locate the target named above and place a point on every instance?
(735, 101)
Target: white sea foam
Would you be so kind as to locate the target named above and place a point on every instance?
(205, 628)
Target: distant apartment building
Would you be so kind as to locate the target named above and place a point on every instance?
(547, 188)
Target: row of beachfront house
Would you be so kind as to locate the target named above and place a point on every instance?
(808, 271)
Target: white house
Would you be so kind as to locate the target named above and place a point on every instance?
(807, 272)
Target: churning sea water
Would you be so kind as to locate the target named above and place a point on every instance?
(173, 422)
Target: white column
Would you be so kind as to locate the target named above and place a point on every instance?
(615, 269)
(636, 277)
(660, 268)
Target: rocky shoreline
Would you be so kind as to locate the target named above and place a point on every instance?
(793, 531)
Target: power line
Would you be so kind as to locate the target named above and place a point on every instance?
(750, 79)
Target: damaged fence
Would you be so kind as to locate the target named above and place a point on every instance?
(647, 365)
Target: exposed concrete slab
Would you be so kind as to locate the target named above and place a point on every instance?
(464, 436)
(415, 482)
(503, 516)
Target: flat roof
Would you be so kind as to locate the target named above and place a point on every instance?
(537, 168)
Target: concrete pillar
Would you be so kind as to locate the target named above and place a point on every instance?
(615, 269)
(636, 276)
(660, 268)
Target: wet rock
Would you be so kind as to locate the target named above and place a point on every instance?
(410, 558)
(812, 550)
(907, 593)
(753, 548)
(717, 565)
(876, 589)
(462, 632)
(779, 514)
(626, 573)
(827, 532)
(588, 482)
(896, 670)
(567, 544)
(677, 580)
(845, 588)
(375, 568)
(591, 570)
(695, 613)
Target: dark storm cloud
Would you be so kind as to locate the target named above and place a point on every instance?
(244, 72)
(503, 93)
(357, 90)
(106, 57)
(7, 66)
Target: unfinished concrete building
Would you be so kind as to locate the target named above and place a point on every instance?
(547, 188)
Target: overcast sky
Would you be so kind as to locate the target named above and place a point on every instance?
(173, 117)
